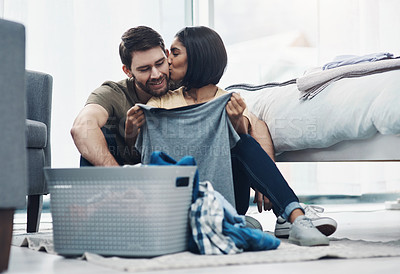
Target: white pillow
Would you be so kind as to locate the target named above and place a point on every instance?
(386, 108)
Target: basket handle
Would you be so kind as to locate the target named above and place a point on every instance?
(182, 181)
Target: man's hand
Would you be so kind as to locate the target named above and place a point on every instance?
(261, 201)
(235, 108)
(134, 120)
(88, 137)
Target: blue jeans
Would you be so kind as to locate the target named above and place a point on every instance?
(112, 146)
(252, 167)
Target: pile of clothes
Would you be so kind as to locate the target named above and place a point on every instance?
(215, 225)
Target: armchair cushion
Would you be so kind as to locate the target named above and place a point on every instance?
(36, 134)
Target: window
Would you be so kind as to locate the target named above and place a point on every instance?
(273, 41)
(76, 41)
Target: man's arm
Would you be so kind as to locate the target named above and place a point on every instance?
(88, 137)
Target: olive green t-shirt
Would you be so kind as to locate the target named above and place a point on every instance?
(117, 98)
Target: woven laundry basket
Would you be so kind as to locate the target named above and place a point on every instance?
(120, 211)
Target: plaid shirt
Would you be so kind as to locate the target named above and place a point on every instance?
(206, 219)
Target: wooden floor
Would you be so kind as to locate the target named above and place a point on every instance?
(355, 221)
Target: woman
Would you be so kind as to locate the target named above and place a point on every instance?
(198, 60)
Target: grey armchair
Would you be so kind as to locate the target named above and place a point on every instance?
(38, 124)
(36, 110)
(13, 163)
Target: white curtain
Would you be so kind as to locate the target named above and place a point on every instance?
(358, 27)
(76, 41)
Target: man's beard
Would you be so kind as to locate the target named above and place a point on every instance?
(173, 85)
(146, 88)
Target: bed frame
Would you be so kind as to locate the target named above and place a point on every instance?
(377, 148)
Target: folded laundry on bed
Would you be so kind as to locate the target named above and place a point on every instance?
(343, 60)
(313, 83)
(258, 87)
(218, 229)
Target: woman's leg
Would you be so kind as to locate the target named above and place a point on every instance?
(253, 167)
(263, 175)
(241, 186)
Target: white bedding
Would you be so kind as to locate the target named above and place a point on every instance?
(351, 108)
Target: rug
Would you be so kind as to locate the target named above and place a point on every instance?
(286, 252)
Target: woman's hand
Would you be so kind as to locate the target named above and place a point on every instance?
(235, 108)
(261, 201)
(135, 119)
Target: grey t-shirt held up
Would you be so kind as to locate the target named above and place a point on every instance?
(203, 131)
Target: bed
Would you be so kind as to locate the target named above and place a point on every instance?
(351, 119)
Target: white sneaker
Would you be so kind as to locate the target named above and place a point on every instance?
(282, 228)
(304, 233)
(253, 223)
(325, 225)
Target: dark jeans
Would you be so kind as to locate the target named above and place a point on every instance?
(112, 146)
(252, 167)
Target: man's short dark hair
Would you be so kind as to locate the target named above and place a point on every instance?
(207, 58)
(140, 38)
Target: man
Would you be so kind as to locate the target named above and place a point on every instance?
(144, 60)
